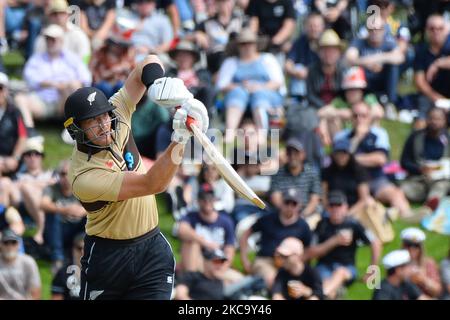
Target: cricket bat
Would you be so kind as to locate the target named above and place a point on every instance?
(226, 171)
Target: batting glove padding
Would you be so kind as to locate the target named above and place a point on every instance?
(192, 108)
(169, 92)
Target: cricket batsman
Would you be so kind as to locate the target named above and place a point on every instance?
(125, 254)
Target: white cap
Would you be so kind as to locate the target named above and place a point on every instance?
(396, 258)
(4, 80)
(53, 31)
(413, 234)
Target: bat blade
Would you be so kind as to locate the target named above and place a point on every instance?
(226, 171)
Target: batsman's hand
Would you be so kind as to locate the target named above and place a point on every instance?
(192, 108)
(169, 92)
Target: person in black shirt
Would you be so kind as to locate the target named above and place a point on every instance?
(274, 228)
(206, 285)
(274, 19)
(295, 279)
(13, 133)
(346, 175)
(422, 148)
(66, 283)
(337, 237)
(396, 286)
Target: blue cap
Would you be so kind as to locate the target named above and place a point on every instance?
(341, 145)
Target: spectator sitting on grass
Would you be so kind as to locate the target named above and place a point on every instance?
(301, 176)
(274, 228)
(29, 185)
(206, 229)
(346, 175)
(422, 152)
(66, 283)
(335, 242)
(431, 66)
(370, 147)
(19, 274)
(302, 54)
(380, 57)
(396, 285)
(424, 271)
(295, 280)
(205, 285)
(65, 217)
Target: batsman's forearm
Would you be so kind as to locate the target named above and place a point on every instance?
(163, 170)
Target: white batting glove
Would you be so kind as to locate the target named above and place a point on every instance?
(197, 110)
(192, 108)
(180, 133)
(169, 92)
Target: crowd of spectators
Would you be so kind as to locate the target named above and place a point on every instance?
(325, 73)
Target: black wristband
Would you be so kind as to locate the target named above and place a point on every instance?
(150, 73)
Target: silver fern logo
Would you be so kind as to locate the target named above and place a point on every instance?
(91, 98)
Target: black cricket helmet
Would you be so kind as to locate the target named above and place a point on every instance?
(86, 103)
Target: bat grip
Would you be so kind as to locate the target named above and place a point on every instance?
(189, 121)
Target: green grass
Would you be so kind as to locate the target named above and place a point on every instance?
(436, 245)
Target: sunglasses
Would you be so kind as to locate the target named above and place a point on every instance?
(335, 204)
(432, 28)
(32, 153)
(410, 244)
(290, 202)
(2, 87)
(9, 242)
(63, 173)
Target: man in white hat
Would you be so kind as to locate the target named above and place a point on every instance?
(75, 39)
(424, 271)
(51, 76)
(396, 285)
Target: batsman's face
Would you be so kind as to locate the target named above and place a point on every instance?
(98, 129)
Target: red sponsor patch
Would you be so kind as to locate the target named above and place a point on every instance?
(109, 164)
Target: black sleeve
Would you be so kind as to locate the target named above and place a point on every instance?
(381, 294)
(289, 11)
(252, 9)
(277, 286)
(361, 174)
(360, 233)
(419, 59)
(257, 226)
(412, 290)
(187, 278)
(407, 160)
(316, 284)
(306, 235)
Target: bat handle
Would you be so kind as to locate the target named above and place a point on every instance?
(189, 121)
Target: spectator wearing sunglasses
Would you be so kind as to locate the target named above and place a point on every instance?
(66, 283)
(274, 228)
(65, 217)
(336, 240)
(424, 271)
(19, 274)
(295, 279)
